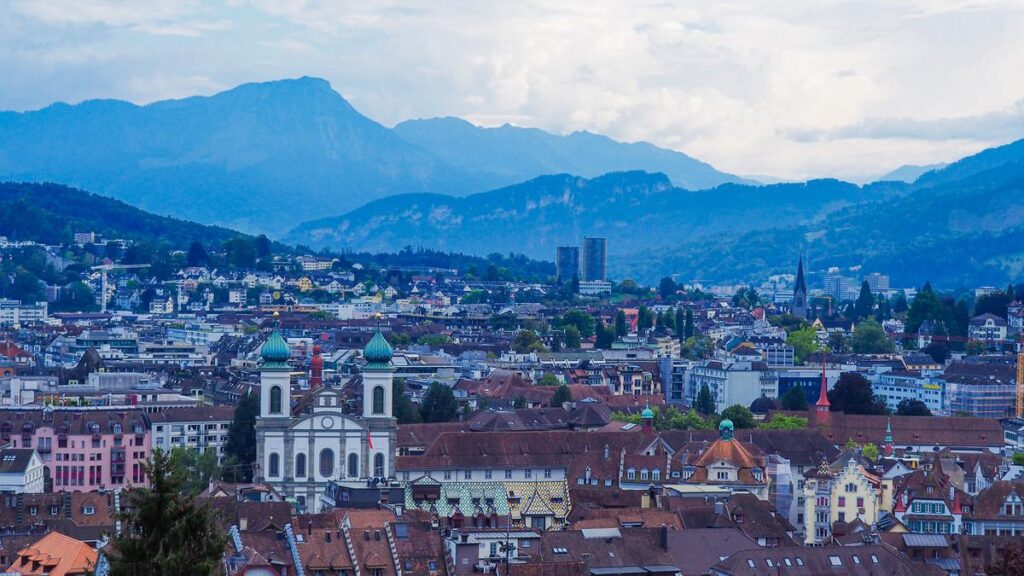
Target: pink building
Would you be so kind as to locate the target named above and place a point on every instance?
(83, 450)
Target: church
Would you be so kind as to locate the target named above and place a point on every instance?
(301, 449)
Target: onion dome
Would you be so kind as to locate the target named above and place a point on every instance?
(377, 352)
(647, 414)
(275, 352)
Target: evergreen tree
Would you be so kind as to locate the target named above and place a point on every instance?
(620, 324)
(900, 306)
(688, 330)
(705, 404)
(667, 287)
(795, 399)
(163, 532)
(401, 406)
(197, 255)
(240, 448)
(644, 319)
(263, 247)
(865, 304)
(439, 404)
(680, 324)
(561, 396)
(605, 336)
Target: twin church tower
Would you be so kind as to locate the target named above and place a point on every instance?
(302, 448)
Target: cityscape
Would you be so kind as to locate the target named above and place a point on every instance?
(246, 330)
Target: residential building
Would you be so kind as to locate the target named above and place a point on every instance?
(200, 428)
(594, 287)
(567, 263)
(878, 283)
(899, 385)
(83, 449)
(982, 390)
(1015, 319)
(927, 501)
(731, 382)
(55, 555)
(595, 259)
(987, 328)
(21, 471)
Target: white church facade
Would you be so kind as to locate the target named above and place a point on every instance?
(300, 451)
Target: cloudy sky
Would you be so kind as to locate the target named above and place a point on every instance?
(788, 88)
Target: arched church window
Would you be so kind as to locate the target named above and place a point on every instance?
(378, 465)
(378, 400)
(300, 465)
(274, 466)
(327, 463)
(275, 399)
(353, 466)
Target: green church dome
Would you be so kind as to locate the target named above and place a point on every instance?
(647, 414)
(377, 352)
(725, 429)
(275, 351)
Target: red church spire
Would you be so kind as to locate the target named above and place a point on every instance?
(821, 407)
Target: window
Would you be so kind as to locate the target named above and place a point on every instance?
(300, 465)
(467, 475)
(799, 561)
(274, 467)
(750, 562)
(378, 400)
(835, 560)
(874, 559)
(88, 510)
(529, 473)
(487, 474)
(353, 466)
(275, 399)
(643, 474)
(656, 474)
(631, 474)
(327, 463)
(447, 474)
(378, 465)
(860, 502)
(856, 559)
(547, 473)
(842, 501)
(508, 474)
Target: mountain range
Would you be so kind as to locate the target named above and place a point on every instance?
(264, 157)
(959, 224)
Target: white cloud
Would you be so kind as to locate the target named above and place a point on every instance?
(795, 88)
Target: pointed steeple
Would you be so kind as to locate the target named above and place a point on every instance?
(888, 447)
(801, 284)
(822, 406)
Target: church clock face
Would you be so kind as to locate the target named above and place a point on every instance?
(327, 422)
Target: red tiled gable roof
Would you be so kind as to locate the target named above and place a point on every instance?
(952, 431)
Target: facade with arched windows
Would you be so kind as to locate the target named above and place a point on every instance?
(301, 450)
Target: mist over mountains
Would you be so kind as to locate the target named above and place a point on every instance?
(264, 157)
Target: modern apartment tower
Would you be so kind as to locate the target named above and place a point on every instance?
(567, 262)
(595, 259)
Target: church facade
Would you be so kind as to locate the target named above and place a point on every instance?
(299, 451)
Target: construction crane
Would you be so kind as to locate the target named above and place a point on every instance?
(1020, 376)
(104, 268)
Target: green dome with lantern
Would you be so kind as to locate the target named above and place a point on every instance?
(647, 414)
(725, 429)
(377, 352)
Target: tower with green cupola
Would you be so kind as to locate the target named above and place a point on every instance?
(275, 377)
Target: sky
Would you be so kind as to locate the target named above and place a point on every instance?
(785, 88)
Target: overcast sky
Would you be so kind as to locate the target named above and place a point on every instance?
(787, 88)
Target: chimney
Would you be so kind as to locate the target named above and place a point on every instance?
(663, 537)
